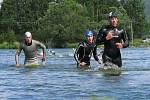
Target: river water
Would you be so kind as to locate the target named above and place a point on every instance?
(61, 80)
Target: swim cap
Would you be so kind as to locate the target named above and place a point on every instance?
(88, 33)
(28, 34)
(112, 14)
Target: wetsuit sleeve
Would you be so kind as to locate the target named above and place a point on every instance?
(78, 55)
(95, 53)
(125, 39)
(100, 37)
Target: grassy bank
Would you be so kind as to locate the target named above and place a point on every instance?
(136, 43)
(7, 45)
(74, 45)
(139, 43)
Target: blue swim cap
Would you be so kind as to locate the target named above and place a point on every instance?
(88, 33)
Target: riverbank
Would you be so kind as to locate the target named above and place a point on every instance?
(139, 43)
(7, 45)
(135, 43)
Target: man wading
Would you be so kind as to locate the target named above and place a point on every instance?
(30, 47)
(113, 37)
(85, 50)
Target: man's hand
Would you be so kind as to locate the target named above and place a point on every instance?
(43, 60)
(119, 45)
(82, 64)
(109, 36)
(99, 61)
(43, 56)
(17, 65)
(17, 60)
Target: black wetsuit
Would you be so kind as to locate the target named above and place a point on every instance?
(111, 52)
(84, 52)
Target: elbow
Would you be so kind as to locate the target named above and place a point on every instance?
(44, 48)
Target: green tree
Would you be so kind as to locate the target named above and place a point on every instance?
(21, 15)
(135, 10)
(64, 21)
(99, 9)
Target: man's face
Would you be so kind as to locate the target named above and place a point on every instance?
(90, 39)
(28, 39)
(114, 21)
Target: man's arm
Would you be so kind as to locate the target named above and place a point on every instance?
(124, 40)
(18, 51)
(41, 45)
(77, 57)
(100, 36)
(17, 60)
(43, 49)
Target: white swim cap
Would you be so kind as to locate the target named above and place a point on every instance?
(28, 34)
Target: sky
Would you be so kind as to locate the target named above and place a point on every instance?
(1, 0)
(0, 3)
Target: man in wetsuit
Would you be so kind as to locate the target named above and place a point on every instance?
(30, 46)
(85, 50)
(113, 37)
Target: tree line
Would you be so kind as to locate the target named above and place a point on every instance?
(58, 22)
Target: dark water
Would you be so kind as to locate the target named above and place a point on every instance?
(61, 80)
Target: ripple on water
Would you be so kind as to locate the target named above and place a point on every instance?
(61, 80)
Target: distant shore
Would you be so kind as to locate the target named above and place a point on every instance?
(135, 43)
(7, 45)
